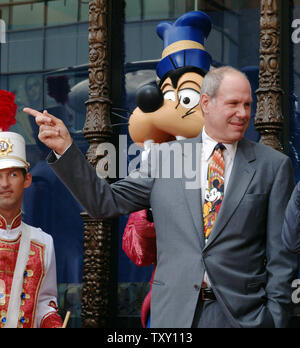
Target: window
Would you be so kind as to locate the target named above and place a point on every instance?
(61, 12)
(27, 16)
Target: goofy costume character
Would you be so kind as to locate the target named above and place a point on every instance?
(158, 119)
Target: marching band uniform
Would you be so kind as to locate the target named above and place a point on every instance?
(28, 287)
(39, 291)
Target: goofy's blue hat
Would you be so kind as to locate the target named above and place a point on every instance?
(184, 42)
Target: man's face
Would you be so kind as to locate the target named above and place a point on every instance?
(228, 114)
(12, 185)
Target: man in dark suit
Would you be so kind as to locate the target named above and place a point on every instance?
(220, 259)
(291, 224)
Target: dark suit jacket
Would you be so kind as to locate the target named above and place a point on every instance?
(291, 224)
(250, 269)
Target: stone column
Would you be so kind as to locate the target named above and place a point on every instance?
(269, 119)
(97, 130)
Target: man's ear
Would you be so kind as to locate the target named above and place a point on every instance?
(28, 180)
(204, 100)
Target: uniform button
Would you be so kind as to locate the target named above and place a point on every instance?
(197, 287)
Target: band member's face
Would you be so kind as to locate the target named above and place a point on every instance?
(12, 185)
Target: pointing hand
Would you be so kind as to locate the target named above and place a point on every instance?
(52, 131)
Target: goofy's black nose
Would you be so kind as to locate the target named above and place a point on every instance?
(149, 98)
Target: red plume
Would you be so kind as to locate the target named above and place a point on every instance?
(8, 109)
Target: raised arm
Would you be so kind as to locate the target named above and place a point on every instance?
(95, 195)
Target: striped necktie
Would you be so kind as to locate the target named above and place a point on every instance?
(215, 191)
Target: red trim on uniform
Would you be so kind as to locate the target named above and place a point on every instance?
(16, 222)
(51, 320)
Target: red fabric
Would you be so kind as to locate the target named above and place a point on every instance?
(35, 273)
(145, 311)
(139, 239)
(8, 110)
(139, 244)
(51, 320)
(16, 222)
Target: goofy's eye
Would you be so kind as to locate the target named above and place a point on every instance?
(189, 98)
(170, 95)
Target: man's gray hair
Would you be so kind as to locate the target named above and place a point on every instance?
(212, 80)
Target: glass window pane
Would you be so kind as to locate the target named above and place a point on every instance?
(60, 47)
(84, 11)
(133, 10)
(4, 15)
(183, 6)
(3, 82)
(142, 43)
(25, 50)
(61, 12)
(156, 9)
(66, 94)
(28, 91)
(27, 16)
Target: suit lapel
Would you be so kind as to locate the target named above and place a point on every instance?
(240, 178)
(191, 187)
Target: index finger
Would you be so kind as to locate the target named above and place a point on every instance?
(41, 116)
(32, 112)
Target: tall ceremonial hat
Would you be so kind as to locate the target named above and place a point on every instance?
(12, 151)
(184, 42)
